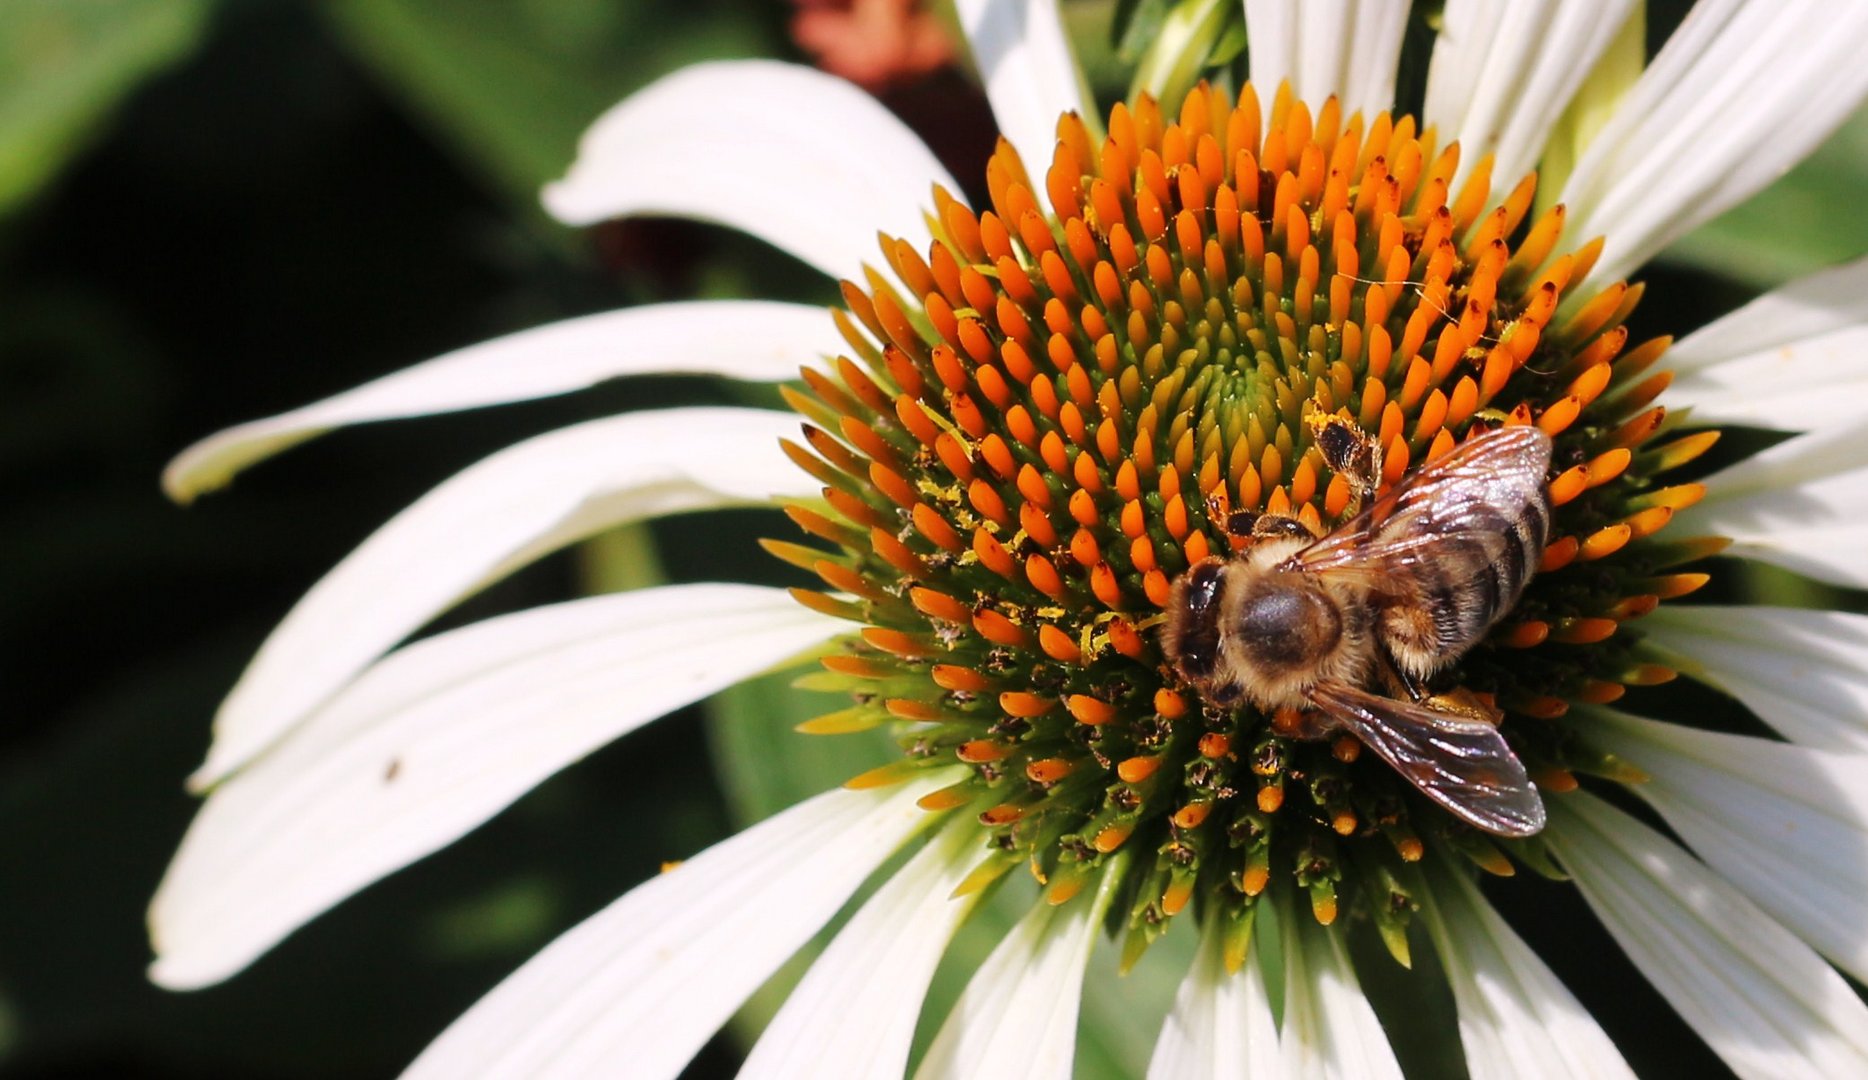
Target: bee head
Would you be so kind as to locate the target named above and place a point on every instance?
(1192, 635)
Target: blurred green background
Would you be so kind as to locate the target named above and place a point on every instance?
(214, 211)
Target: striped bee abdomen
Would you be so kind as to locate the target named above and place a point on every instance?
(1443, 602)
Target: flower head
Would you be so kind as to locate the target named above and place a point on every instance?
(1172, 337)
(1051, 420)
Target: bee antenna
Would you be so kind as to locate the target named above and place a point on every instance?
(1420, 290)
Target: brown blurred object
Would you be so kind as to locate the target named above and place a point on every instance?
(876, 44)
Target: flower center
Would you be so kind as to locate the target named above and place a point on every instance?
(1048, 418)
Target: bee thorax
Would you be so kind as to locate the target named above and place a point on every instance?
(1281, 632)
(1286, 626)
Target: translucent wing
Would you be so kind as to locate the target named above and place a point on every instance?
(1466, 504)
(1464, 765)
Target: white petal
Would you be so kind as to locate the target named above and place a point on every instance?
(1471, 33)
(854, 1013)
(1795, 359)
(1330, 1032)
(1801, 504)
(646, 981)
(740, 339)
(1741, 92)
(1516, 1020)
(1031, 77)
(1803, 672)
(1221, 1025)
(1349, 48)
(798, 158)
(1017, 1018)
(437, 738)
(1762, 1000)
(1503, 73)
(1272, 47)
(1806, 385)
(1787, 824)
(485, 522)
(1807, 309)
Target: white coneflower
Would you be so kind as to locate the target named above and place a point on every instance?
(1017, 434)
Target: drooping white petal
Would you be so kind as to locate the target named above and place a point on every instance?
(1807, 385)
(1761, 998)
(798, 158)
(853, 1015)
(1806, 309)
(1802, 504)
(1031, 77)
(1017, 1018)
(1739, 93)
(483, 523)
(1330, 1032)
(739, 339)
(1795, 359)
(1349, 48)
(1516, 1020)
(437, 738)
(638, 987)
(1221, 1025)
(1803, 672)
(1787, 824)
(1502, 74)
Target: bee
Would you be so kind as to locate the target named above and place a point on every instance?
(1317, 624)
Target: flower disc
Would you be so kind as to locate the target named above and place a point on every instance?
(1048, 416)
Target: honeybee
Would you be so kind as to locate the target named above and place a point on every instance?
(1305, 622)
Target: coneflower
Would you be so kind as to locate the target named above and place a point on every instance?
(1022, 424)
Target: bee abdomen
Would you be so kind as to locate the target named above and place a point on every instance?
(1467, 587)
(1524, 547)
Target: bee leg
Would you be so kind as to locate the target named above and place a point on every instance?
(1293, 722)
(1240, 523)
(1457, 701)
(1460, 701)
(1279, 527)
(1399, 682)
(1244, 526)
(1351, 452)
(1237, 523)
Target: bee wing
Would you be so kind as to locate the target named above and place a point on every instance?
(1464, 765)
(1469, 498)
